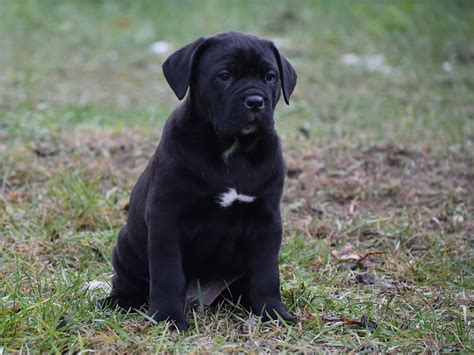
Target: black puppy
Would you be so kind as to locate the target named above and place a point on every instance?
(205, 213)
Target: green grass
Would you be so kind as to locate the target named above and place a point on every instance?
(387, 169)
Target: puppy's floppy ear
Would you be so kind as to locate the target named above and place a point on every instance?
(178, 67)
(287, 75)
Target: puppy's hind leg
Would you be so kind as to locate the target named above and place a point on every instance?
(130, 287)
(123, 303)
(126, 295)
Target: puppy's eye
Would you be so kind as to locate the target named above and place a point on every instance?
(224, 76)
(270, 76)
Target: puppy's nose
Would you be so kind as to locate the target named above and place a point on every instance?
(254, 102)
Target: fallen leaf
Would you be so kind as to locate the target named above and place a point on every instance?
(43, 150)
(364, 256)
(362, 322)
(365, 279)
(11, 309)
(355, 257)
(388, 286)
(347, 253)
(339, 253)
(307, 313)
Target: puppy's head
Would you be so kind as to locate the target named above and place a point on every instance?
(235, 80)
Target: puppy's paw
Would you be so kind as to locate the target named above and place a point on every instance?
(177, 322)
(179, 326)
(275, 310)
(288, 318)
(280, 315)
(122, 303)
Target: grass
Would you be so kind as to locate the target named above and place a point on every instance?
(378, 205)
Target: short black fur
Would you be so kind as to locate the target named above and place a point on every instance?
(177, 231)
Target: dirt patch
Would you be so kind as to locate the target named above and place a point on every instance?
(118, 157)
(385, 180)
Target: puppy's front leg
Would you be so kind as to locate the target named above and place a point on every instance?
(264, 291)
(167, 280)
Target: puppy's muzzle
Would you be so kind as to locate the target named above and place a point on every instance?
(255, 103)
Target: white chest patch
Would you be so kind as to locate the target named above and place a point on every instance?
(227, 198)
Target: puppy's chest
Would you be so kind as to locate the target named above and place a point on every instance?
(237, 188)
(228, 207)
(228, 191)
(210, 229)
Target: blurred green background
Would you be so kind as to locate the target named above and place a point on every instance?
(89, 63)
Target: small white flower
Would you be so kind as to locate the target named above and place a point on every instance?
(95, 285)
(447, 66)
(160, 47)
(376, 63)
(350, 59)
(372, 62)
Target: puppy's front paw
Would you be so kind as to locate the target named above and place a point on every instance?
(274, 310)
(179, 326)
(177, 321)
(288, 318)
(279, 315)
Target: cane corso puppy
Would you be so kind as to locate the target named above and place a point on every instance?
(204, 217)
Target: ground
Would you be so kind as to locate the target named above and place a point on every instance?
(379, 196)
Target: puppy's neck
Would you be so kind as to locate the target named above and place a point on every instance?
(242, 143)
(229, 151)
